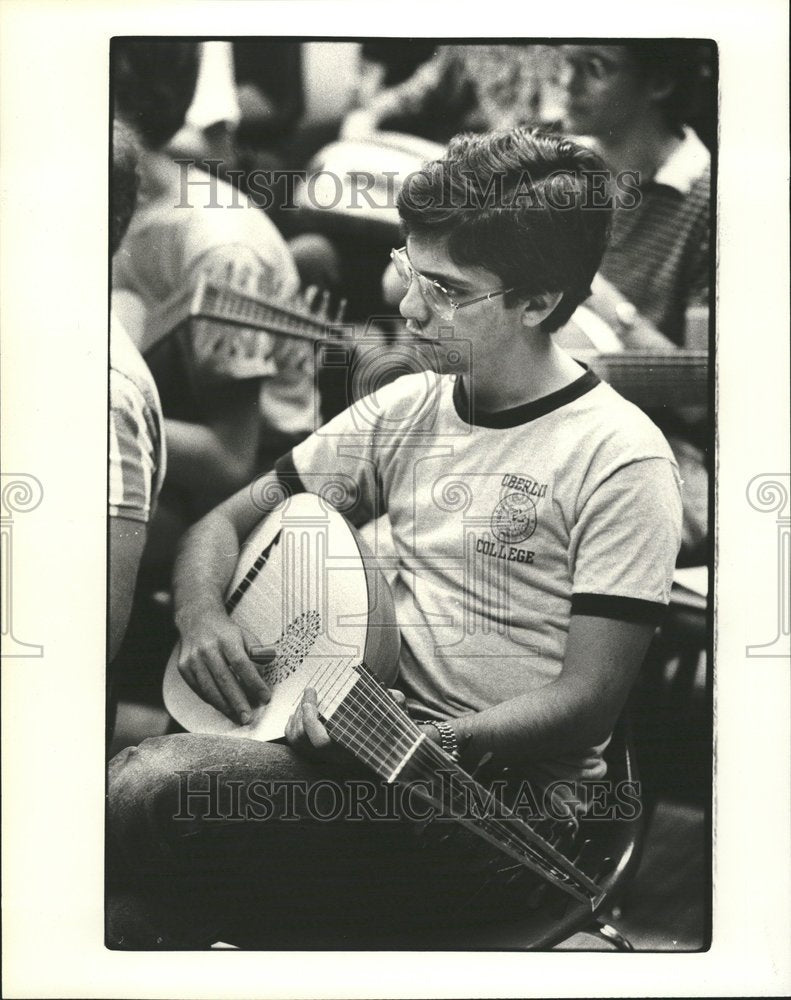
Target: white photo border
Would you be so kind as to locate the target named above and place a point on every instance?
(54, 91)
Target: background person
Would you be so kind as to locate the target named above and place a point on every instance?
(218, 422)
(137, 440)
(634, 102)
(473, 88)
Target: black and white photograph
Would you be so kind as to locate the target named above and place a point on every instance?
(411, 627)
(455, 298)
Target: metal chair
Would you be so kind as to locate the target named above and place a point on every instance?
(609, 852)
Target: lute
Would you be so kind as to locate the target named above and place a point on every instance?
(245, 320)
(240, 302)
(307, 589)
(652, 379)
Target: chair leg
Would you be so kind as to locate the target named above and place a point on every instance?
(601, 930)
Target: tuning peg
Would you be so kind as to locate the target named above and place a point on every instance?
(309, 297)
(580, 850)
(486, 771)
(242, 278)
(482, 764)
(324, 305)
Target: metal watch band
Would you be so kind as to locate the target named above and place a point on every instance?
(447, 739)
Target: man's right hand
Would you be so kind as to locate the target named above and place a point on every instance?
(214, 660)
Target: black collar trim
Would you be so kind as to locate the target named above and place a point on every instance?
(501, 419)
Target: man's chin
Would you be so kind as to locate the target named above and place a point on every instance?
(443, 355)
(445, 358)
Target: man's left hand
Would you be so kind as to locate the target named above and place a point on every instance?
(307, 734)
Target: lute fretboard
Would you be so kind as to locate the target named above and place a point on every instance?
(362, 716)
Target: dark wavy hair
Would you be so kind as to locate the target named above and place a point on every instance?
(531, 206)
(153, 84)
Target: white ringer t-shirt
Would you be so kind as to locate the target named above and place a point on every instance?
(504, 524)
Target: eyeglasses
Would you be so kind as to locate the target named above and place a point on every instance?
(437, 297)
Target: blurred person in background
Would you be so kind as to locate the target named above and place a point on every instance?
(387, 62)
(473, 88)
(219, 424)
(246, 117)
(212, 118)
(632, 103)
(136, 432)
(227, 413)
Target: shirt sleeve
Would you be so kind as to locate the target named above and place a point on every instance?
(340, 462)
(134, 451)
(625, 542)
(412, 95)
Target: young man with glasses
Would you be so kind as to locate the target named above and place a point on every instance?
(536, 519)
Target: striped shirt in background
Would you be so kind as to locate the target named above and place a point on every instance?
(137, 440)
(658, 256)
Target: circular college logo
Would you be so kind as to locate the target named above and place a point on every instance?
(514, 518)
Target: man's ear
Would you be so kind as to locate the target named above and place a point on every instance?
(538, 307)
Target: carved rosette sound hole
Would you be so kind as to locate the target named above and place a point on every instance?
(293, 646)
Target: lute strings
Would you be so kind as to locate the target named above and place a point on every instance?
(356, 722)
(512, 832)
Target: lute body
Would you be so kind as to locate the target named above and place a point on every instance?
(302, 587)
(306, 587)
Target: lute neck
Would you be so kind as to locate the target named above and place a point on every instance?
(222, 302)
(677, 378)
(362, 716)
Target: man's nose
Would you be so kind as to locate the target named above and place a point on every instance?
(413, 305)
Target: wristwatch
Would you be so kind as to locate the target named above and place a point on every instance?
(447, 740)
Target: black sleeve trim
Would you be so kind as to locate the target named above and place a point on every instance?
(287, 475)
(625, 609)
